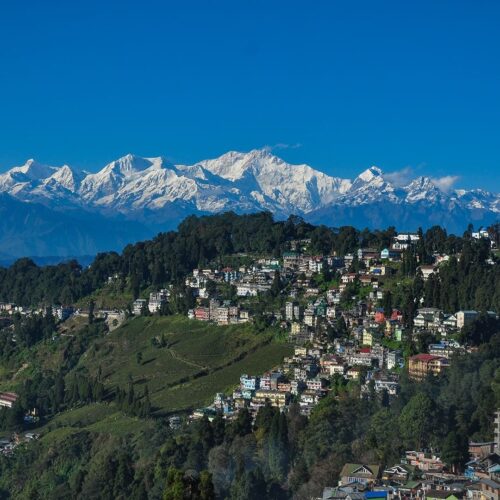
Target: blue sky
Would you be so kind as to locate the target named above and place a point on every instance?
(339, 85)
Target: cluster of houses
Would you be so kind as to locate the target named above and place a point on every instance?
(370, 354)
(370, 351)
(62, 313)
(423, 475)
(155, 303)
(9, 444)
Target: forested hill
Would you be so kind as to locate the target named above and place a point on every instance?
(169, 257)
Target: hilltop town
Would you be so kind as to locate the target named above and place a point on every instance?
(376, 323)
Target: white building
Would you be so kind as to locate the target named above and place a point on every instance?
(156, 300)
(138, 305)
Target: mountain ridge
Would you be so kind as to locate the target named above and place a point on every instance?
(157, 194)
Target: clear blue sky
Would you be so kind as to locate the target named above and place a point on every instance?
(355, 84)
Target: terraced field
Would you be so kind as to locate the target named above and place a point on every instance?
(199, 359)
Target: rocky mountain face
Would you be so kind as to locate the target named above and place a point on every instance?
(62, 211)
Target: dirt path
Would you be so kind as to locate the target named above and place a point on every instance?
(23, 367)
(186, 361)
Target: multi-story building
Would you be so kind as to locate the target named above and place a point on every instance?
(310, 317)
(250, 383)
(393, 359)
(156, 300)
(292, 311)
(274, 397)
(202, 314)
(421, 365)
(426, 462)
(465, 317)
(138, 306)
(8, 399)
(221, 315)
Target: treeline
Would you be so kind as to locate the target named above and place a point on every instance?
(47, 395)
(169, 257)
(133, 404)
(470, 280)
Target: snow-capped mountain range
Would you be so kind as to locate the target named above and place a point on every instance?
(158, 194)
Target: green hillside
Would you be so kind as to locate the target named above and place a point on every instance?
(198, 360)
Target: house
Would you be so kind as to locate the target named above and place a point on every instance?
(368, 254)
(275, 398)
(465, 317)
(138, 305)
(8, 399)
(221, 315)
(427, 270)
(250, 383)
(367, 338)
(443, 348)
(479, 450)
(202, 314)
(359, 473)
(442, 495)
(354, 373)
(290, 311)
(348, 278)
(244, 316)
(310, 317)
(421, 365)
(490, 489)
(481, 234)
(315, 384)
(404, 240)
(379, 315)
(391, 326)
(157, 300)
(399, 473)
(391, 386)
(230, 274)
(394, 359)
(390, 254)
(63, 312)
(424, 461)
(270, 380)
(290, 260)
(315, 264)
(428, 317)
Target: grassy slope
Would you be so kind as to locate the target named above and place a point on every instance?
(200, 359)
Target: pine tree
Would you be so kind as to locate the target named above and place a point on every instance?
(91, 311)
(206, 487)
(146, 404)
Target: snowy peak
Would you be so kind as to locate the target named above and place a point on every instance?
(234, 165)
(66, 177)
(423, 189)
(371, 174)
(371, 179)
(277, 185)
(33, 170)
(242, 182)
(127, 165)
(25, 177)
